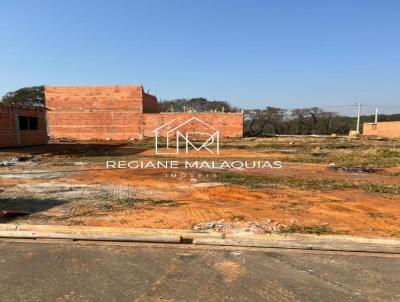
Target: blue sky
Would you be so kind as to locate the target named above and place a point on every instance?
(251, 53)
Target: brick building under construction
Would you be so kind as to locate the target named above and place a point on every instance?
(22, 125)
(107, 113)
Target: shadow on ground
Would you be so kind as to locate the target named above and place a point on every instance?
(81, 149)
(32, 205)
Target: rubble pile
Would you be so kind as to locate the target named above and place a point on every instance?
(12, 161)
(254, 227)
(356, 169)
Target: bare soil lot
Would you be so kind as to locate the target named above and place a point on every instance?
(326, 185)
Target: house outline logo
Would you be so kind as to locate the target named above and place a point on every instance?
(213, 137)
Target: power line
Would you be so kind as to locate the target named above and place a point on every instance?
(338, 106)
(379, 106)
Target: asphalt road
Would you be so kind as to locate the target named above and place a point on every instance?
(144, 272)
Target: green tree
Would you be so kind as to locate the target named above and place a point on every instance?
(195, 104)
(32, 96)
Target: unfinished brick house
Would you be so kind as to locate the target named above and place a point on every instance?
(384, 129)
(22, 125)
(119, 113)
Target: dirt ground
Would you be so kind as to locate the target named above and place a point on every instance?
(322, 187)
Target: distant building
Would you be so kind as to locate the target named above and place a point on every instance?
(384, 129)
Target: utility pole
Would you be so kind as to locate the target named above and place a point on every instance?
(358, 117)
(376, 115)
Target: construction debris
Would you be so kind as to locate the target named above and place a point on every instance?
(357, 169)
(11, 161)
(254, 227)
(64, 140)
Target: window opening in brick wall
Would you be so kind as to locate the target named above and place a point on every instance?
(28, 123)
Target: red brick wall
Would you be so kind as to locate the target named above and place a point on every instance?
(229, 124)
(7, 127)
(384, 129)
(8, 131)
(97, 112)
(87, 98)
(104, 125)
(116, 113)
(150, 104)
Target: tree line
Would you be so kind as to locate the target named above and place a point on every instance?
(278, 121)
(257, 122)
(196, 105)
(303, 121)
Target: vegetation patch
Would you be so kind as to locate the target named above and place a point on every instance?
(378, 215)
(294, 207)
(381, 188)
(258, 181)
(151, 202)
(374, 158)
(314, 229)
